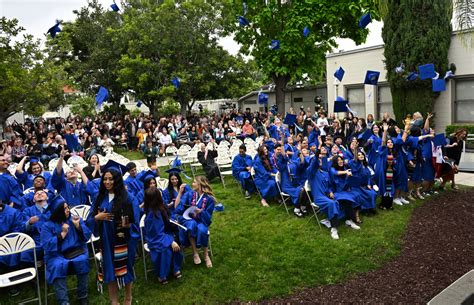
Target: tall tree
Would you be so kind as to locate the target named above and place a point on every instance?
(285, 21)
(415, 33)
(28, 81)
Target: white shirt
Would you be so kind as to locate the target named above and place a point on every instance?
(321, 124)
(165, 140)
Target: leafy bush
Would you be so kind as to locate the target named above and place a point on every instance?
(168, 108)
(83, 105)
(452, 128)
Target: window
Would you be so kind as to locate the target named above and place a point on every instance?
(298, 100)
(356, 98)
(251, 102)
(384, 102)
(464, 102)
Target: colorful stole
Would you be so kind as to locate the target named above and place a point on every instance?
(389, 176)
(120, 262)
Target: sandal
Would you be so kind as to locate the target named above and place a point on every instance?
(208, 262)
(197, 259)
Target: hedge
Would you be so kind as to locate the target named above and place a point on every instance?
(452, 128)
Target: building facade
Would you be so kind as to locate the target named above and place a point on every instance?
(453, 106)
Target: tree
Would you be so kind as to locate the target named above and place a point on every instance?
(284, 21)
(86, 50)
(413, 39)
(28, 81)
(82, 105)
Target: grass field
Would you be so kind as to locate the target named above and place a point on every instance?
(262, 252)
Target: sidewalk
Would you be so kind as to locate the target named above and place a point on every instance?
(465, 178)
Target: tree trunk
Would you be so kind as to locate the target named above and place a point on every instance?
(280, 84)
(152, 107)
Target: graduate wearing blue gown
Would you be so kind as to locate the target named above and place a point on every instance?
(25, 178)
(202, 198)
(11, 220)
(64, 239)
(373, 143)
(339, 175)
(277, 129)
(427, 167)
(115, 219)
(361, 183)
(70, 189)
(39, 185)
(241, 171)
(35, 218)
(133, 181)
(10, 191)
(160, 236)
(265, 172)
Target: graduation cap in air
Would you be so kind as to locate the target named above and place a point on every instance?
(54, 30)
(71, 142)
(115, 166)
(176, 82)
(274, 45)
(427, 71)
(412, 76)
(339, 74)
(365, 135)
(365, 20)
(438, 85)
(371, 77)
(439, 140)
(290, 119)
(262, 98)
(102, 95)
(400, 69)
(243, 21)
(115, 7)
(139, 103)
(340, 105)
(274, 109)
(148, 175)
(174, 170)
(449, 74)
(306, 31)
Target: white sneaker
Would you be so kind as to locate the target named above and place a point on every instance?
(397, 201)
(351, 224)
(404, 201)
(247, 195)
(334, 234)
(297, 212)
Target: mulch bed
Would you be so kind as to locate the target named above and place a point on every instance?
(437, 249)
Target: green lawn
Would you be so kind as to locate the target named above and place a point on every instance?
(262, 252)
(131, 155)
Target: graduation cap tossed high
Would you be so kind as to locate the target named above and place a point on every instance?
(274, 45)
(102, 95)
(427, 71)
(139, 103)
(71, 142)
(115, 7)
(306, 31)
(371, 77)
(274, 109)
(412, 76)
(243, 21)
(290, 119)
(439, 140)
(262, 98)
(365, 20)
(115, 166)
(176, 82)
(339, 74)
(54, 30)
(438, 85)
(340, 105)
(365, 135)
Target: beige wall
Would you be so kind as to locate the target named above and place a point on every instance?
(356, 62)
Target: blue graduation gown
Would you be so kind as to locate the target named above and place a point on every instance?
(134, 184)
(240, 172)
(427, 167)
(10, 191)
(106, 231)
(401, 183)
(367, 197)
(159, 242)
(171, 197)
(29, 194)
(320, 188)
(74, 194)
(381, 168)
(264, 181)
(274, 132)
(414, 155)
(198, 226)
(11, 220)
(26, 179)
(341, 189)
(301, 174)
(287, 184)
(34, 231)
(372, 149)
(57, 265)
(313, 138)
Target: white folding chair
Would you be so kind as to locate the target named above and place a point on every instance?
(145, 248)
(252, 174)
(237, 142)
(223, 164)
(162, 183)
(284, 196)
(314, 206)
(224, 143)
(14, 243)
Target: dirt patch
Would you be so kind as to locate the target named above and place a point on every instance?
(437, 248)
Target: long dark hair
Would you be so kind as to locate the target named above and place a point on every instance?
(170, 185)
(153, 203)
(121, 205)
(335, 161)
(58, 215)
(264, 158)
